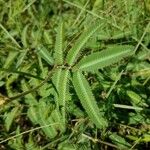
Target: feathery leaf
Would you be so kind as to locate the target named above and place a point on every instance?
(104, 58)
(58, 55)
(87, 99)
(63, 91)
(57, 82)
(81, 42)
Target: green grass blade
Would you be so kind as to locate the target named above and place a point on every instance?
(21, 73)
(58, 55)
(87, 99)
(21, 58)
(81, 41)
(10, 36)
(10, 59)
(24, 36)
(128, 107)
(104, 58)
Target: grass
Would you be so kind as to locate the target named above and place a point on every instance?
(48, 101)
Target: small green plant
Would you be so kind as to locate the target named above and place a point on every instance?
(67, 67)
(74, 76)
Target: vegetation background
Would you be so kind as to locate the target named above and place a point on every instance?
(74, 74)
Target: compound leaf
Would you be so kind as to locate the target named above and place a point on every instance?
(87, 99)
(104, 58)
(63, 93)
(81, 42)
(58, 55)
